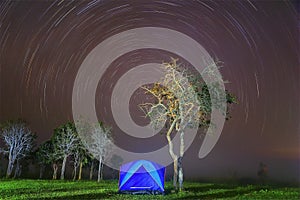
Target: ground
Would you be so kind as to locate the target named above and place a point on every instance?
(49, 189)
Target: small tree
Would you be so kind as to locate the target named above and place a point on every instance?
(183, 100)
(65, 141)
(19, 141)
(99, 143)
(45, 155)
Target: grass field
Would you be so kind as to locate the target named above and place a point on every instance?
(49, 189)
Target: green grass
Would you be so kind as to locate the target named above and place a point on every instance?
(49, 189)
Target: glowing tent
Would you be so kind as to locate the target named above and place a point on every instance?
(142, 177)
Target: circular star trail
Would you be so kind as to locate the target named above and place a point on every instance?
(43, 43)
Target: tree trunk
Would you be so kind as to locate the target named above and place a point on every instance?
(55, 168)
(63, 167)
(173, 155)
(180, 168)
(80, 170)
(101, 173)
(175, 175)
(9, 168)
(99, 168)
(92, 170)
(75, 173)
(180, 177)
(17, 170)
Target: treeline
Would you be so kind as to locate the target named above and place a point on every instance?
(18, 145)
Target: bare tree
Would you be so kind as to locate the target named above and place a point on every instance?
(182, 100)
(65, 141)
(99, 144)
(18, 139)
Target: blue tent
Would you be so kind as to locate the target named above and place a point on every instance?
(142, 176)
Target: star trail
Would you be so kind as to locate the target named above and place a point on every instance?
(43, 43)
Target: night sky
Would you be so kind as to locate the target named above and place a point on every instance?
(43, 44)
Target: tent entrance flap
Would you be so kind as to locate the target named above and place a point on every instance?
(142, 176)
